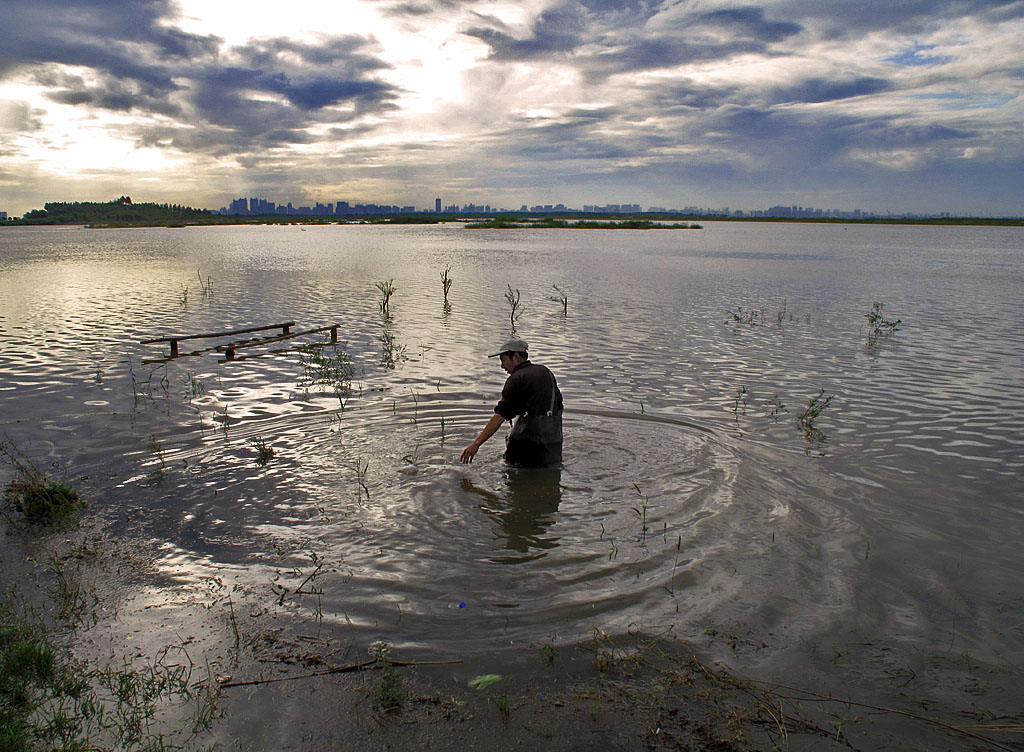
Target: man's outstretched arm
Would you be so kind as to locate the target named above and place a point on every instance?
(492, 425)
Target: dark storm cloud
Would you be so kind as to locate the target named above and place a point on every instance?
(779, 136)
(632, 7)
(423, 7)
(714, 35)
(652, 54)
(257, 95)
(344, 52)
(895, 135)
(606, 38)
(251, 108)
(577, 134)
(101, 34)
(748, 22)
(311, 76)
(222, 141)
(679, 98)
(817, 90)
(558, 30)
(226, 96)
(111, 93)
(410, 9)
(741, 130)
(728, 123)
(907, 17)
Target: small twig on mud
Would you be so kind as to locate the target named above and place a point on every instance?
(313, 574)
(234, 623)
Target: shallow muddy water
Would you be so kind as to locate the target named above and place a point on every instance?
(878, 554)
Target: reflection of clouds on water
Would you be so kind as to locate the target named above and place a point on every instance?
(524, 511)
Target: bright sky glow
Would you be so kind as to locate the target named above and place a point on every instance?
(903, 106)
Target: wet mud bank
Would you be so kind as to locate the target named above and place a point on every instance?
(264, 677)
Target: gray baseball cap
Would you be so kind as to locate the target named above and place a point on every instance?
(513, 345)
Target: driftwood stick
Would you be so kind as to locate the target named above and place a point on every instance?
(348, 668)
(424, 663)
(332, 670)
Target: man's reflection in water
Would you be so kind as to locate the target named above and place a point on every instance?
(525, 510)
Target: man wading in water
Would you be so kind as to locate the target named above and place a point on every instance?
(531, 393)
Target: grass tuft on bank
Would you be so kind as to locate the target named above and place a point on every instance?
(29, 675)
(52, 700)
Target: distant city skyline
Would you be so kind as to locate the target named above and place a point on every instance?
(257, 205)
(909, 108)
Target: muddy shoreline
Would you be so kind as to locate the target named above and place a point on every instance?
(278, 682)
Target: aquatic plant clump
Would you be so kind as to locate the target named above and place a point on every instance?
(327, 368)
(749, 317)
(387, 289)
(512, 296)
(34, 498)
(446, 282)
(265, 452)
(815, 407)
(878, 323)
(562, 298)
(41, 502)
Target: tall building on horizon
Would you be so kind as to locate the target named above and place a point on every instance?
(437, 206)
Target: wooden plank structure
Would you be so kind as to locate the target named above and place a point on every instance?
(229, 349)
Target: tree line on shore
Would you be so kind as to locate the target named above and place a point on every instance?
(121, 211)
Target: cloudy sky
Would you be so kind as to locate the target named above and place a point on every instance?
(902, 105)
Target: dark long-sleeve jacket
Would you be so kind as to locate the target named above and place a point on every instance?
(527, 390)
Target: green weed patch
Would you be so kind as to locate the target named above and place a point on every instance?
(33, 498)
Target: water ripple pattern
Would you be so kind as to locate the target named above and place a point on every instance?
(692, 497)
